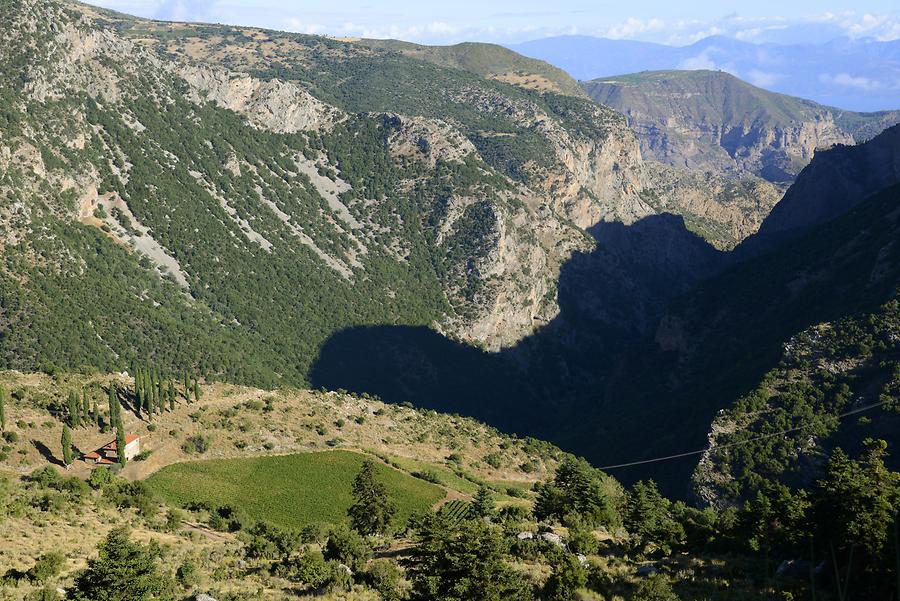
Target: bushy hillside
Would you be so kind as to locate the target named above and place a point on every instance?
(491, 61)
(837, 384)
(235, 197)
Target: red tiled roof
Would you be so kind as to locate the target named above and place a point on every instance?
(98, 455)
(129, 438)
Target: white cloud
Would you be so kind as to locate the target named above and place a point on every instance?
(850, 81)
(296, 25)
(632, 27)
(762, 79)
(701, 61)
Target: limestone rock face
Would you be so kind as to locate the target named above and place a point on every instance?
(713, 121)
(278, 106)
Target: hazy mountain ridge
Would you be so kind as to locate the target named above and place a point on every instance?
(859, 75)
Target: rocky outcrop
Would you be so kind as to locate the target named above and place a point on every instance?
(835, 182)
(278, 106)
(710, 120)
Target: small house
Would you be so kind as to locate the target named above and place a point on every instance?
(108, 454)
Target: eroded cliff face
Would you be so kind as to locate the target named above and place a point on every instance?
(712, 121)
(775, 153)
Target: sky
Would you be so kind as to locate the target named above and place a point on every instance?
(511, 21)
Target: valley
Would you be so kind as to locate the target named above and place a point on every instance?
(397, 321)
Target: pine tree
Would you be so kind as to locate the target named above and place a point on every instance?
(372, 509)
(74, 407)
(66, 445)
(2, 408)
(483, 503)
(123, 570)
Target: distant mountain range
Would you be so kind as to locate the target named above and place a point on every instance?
(860, 75)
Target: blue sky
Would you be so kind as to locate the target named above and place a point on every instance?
(507, 21)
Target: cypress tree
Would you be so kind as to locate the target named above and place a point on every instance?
(85, 407)
(138, 390)
(74, 409)
(196, 390)
(113, 404)
(120, 442)
(2, 408)
(187, 388)
(66, 445)
(171, 395)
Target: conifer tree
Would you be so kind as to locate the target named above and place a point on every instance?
(113, 404)
(2, 408)
(138, 390)
(120, 442)
(171, 395)
(66, 445)
(74, 406)
(187, 386)
(85, 407)
(372, 510)
(196, 390)
(483, 503)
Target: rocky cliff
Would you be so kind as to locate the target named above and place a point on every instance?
(710, 120)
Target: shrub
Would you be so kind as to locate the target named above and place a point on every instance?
(174, 519)
(428, 476)
(196, 444)
(339, 578)
(347, 547)
(100, 477)
(568, 576)
(269, 542)
(654, 588)
(311, 569)
(187, 575)
(136, 495)
(47, 566)
(11, 437)
(48, 593)
(384, 577)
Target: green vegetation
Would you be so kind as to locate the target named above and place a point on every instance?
(291, 491)
(844, 366)
(124, 571)
(488, 60)
(372, 510)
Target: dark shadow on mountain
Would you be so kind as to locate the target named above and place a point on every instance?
(418, 365)
(608, 299)
(653, 337)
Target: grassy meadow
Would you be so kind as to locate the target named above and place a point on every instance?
(289, 491)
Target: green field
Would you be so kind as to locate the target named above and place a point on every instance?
(290, 491)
